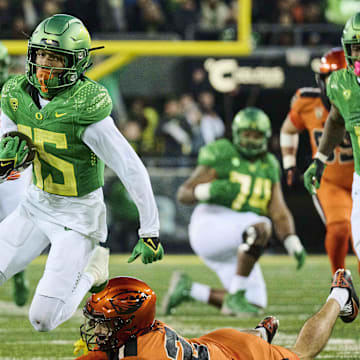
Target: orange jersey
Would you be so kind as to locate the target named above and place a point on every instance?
(163, 343)
(308, 112)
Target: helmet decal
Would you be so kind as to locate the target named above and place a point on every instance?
(128, 302)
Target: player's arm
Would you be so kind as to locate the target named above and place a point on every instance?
(197, 187)
(284, 225)
(106, 141)
(289, 140)
(7, 124)
(334, 132)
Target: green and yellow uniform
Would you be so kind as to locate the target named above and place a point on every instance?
(343, 91)
(242, 184)
(64, 165)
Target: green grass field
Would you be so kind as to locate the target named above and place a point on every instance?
(293, 297)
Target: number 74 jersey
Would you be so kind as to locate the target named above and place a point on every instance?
(64, 164)
(241, 184)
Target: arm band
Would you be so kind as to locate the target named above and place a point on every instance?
(202, 191)
(289, 161)
(322, 157)
(289, 140)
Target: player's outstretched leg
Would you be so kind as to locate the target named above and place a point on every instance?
(342, 302)
(178, 292)
(270, 325)
(21, 289)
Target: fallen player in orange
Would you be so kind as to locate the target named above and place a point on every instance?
(120, 324)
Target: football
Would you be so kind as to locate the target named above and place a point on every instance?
(31, 155)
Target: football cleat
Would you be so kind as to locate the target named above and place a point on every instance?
(178, 292)
(98, 267)
(237, 305)
(342, 279)
(21, 289)
(270, 324)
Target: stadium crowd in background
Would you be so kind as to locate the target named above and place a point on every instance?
(206, 19)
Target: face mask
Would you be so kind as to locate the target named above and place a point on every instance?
(357, 68)
(47, 82)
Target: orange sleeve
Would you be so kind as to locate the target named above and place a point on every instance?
(299, 107)
(294, 113)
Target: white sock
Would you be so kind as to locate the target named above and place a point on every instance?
(200, 292)
(340, 295)
(238, 282)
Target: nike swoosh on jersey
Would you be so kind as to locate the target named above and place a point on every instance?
(59, 115)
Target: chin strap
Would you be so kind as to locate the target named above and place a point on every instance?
(80, 345)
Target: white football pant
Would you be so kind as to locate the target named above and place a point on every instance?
(23, 237)
(215, 234)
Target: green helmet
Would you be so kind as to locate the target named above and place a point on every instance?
(351, 35)
(251, 118)
(66, 35)
(4, 64)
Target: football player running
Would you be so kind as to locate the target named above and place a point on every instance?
(343, 91)
(309, 111)
(237, 185)
(67, 116)
(11, 192)
(120, 324)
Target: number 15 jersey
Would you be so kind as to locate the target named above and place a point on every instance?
(64, 164)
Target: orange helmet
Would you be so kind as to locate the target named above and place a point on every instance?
(331, 61)
(126, 306)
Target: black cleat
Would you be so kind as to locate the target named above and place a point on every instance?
(342, 279)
